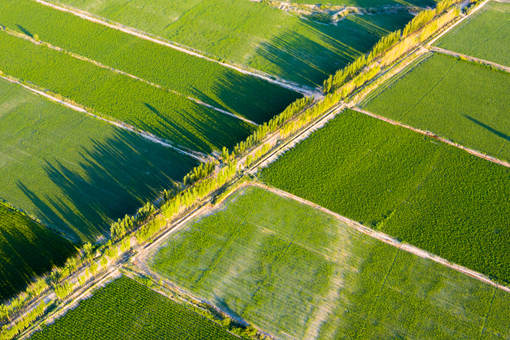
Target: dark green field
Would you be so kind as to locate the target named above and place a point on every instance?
(125, 309)
(253, 34)
(462, 101)
(485, 35)
(189, 75)
(434, 196)
(299, 273)
(73, 172)
(120, 97)
(27, 249)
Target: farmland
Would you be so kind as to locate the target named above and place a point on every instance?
(253, 34)
(24, 250)
(126, 309)
(300, 273)
(426, 193)
(485, 35)
(73, 172)
(369, 3)
(114, 95)
(189, 75)
(462, 101)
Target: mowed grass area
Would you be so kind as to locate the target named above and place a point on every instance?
(25, 250)
(462, 101)
(253, 34)
(120, 97)
(417, 189)
(191, 76)
(73, 172)
(485, 35)
(125, 309)
(300, 273)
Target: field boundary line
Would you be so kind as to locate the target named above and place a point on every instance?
(470, 58)
(386, 238)
(434, 136)
(187, 50)
(466, 16)
(124, 73)
(144, 134)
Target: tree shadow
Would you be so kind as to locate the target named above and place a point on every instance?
(489, 128)
(310, 62)
(24, 30)
(114, 177)
(27, 249)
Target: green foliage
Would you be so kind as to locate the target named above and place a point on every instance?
(189, 75)
(131, 311)
(461, 101)
(7, 332)
(483, 35)
(296, 271)
(119, 97)
(424, 192)
(24, 252)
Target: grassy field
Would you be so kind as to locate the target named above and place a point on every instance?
(191, 76)
(424, 192)
(253, 34)
(485, 35)
(125, 309)
(113, 95)
(462, 101)
(24, 251)
(299, 273)
(73, 172)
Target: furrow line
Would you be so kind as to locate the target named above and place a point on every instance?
(144, 134)
(435, 136)
(143, 35)
(387, 238)
(132, 76)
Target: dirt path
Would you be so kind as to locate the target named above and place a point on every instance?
(112, 69)
(146, 135)
(470, 58)
(433, 135)
(307, 91)
(386, 238)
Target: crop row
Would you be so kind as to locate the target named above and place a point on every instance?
(462, 101)
(434, 196)
(127, 309)
(192, 76)
(114, 95)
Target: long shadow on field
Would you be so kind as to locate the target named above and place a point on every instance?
(310, 62)
(251, 97)
(489, 128)
(27, 255)
(112, 179)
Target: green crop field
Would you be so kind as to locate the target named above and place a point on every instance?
(191, 76)
(73, 172)
(253, 34)
(300, 273)
(125, 309)
(369, 3)
(485, 35)
(24, 250)
(462, 101)
(427, 193)
(111, 94)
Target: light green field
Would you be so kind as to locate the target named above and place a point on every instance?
(299, 273)
(462, 101)
(120, 97)
(125, 309)
(24, 250)
(253, 34)
(422, 191)
(189, 75)
(485, 35)
(368, 3)
(73, 172)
